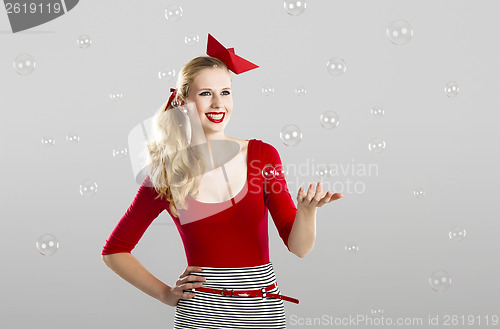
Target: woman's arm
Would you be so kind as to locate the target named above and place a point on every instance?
(131, 270)
(303, 233)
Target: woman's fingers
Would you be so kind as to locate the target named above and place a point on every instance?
(190, 269)
(325, 199)
(191, 278)
(317, 197)
(188, 281)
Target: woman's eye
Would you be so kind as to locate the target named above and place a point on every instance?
(225, 92)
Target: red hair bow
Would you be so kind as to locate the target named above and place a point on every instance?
(174, 92)
(234, 62)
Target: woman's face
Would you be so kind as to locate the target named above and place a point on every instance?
(212, 95)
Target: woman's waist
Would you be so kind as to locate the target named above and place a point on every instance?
(238, 278)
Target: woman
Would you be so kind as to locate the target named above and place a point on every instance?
(229, 281)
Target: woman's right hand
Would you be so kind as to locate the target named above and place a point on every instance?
(186, 281)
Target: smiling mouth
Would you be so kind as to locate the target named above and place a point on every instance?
(216, 117)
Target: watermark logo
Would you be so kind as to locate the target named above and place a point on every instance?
(24, 15)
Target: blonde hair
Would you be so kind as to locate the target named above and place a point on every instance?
(168, 145)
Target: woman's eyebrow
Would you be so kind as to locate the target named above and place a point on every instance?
(211, 89)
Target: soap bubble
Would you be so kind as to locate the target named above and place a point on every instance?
(336, 66)
(88, 188)
(377, 310)
(451, 89)
(173, 13)
(116, 95)
(322, 171)
(83, 41)
(120, 153)
(72, 137)
(279, 172)
(268, 171)
(47, 244)
(24, 64)
(419, 192)
(300, 91)
(400, 32)
(48, 140)
(268, 90)
(457, 233)
(295, 7)
(377, 111)
(440, 280)
(291, 135)
(166, 73)
(329, 119)
(351, 247)
(191, 39)
(377, 145)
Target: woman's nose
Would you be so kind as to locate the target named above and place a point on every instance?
(217, 101)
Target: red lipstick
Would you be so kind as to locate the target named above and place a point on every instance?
(216, 114)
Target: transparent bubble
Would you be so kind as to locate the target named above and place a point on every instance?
(336, 66)
(72, 137)
(48, 140)
(24, 64)
(419, 192)
(440, 280)
(377, 145)
(399, 32)
(451, 89)
(329, 119)
(120, 153)
(166, 73)
(192, 39)
(173, 13)
(47, 244)
(377, 111)
(300, 91)
(83, 41)
(268, 90)
(291, 135)
(268, 171)
(116, 95)
(322, 171)
(88, 188)
(377, 310)
(279, 172)
(457, 233)
(295, 7)
(351, 247)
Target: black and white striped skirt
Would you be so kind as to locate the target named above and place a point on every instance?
(209, 310)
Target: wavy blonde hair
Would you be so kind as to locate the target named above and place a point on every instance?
(168, 145)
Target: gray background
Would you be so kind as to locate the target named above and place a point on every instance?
(447, 146)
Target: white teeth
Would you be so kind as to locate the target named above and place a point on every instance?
(216, 117)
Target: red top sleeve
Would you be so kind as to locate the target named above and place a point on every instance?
(131, 227)
(277, 197)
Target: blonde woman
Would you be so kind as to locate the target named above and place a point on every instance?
(219, 206)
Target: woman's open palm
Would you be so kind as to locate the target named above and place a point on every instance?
(315, 198)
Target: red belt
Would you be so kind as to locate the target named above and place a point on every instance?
(263, 292)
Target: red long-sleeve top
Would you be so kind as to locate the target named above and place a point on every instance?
(233, 233)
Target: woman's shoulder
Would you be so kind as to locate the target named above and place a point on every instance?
(264, 149)
(265, 146)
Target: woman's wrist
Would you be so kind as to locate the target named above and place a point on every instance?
(167, 297)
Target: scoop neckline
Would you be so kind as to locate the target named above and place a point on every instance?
(242, 189)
